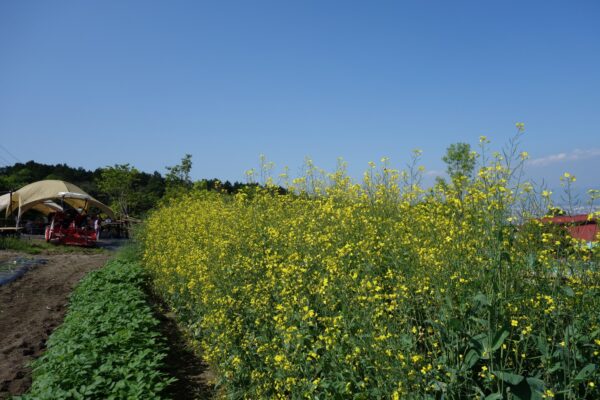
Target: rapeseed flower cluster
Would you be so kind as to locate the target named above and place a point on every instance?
(381, 289)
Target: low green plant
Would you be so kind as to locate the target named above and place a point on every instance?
(37, 246)
(108, 346)
(16, 244)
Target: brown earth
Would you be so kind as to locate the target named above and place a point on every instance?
(32, 307)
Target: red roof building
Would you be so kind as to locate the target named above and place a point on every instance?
(579, 226)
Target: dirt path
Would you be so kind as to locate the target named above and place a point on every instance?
(31, 308)
(195, 380)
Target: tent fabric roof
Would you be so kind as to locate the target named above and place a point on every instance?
(4, 201)
(39, 192)
(47, 207)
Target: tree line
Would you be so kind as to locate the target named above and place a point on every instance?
(127, 190)
(131, 192)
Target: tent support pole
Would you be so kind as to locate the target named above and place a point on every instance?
(10, 202)
(19, 214)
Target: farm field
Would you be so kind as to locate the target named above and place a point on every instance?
(32, 307)
(317, 287)
(299, 200)
(382, 289)
(81, 323)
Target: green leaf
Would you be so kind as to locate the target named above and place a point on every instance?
(471, 358)
(494, 396)
(568, 291)
(542, 345)
(499, 339)
(528, 389)
(508, 377)
(570, 332)
(481, 299)
(585, 372)
(536, 384)
(478, 341)
(480, 321)
(555, 367)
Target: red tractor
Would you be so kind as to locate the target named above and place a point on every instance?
(71, 228)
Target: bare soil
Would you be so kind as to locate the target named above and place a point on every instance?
(32, 307)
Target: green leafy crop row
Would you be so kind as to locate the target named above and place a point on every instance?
(108, 346)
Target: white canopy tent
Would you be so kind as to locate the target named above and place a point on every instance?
(49, 196)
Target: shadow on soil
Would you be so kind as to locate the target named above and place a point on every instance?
(192, 374)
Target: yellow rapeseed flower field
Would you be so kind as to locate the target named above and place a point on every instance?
(381, 289)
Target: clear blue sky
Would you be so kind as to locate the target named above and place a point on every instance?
(94, 83)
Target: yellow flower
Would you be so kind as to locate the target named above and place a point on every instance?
(333, 265)
(236, 361)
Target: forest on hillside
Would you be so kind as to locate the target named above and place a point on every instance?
(126, 189)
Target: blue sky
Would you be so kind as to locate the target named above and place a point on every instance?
(94, 83)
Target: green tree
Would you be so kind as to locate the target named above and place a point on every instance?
(147, 188)
(150, 189)
(460, 161)
(119, 183)
(178, 177)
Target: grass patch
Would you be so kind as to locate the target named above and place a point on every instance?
(37, 246)
(12, 243)
(109, 345)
